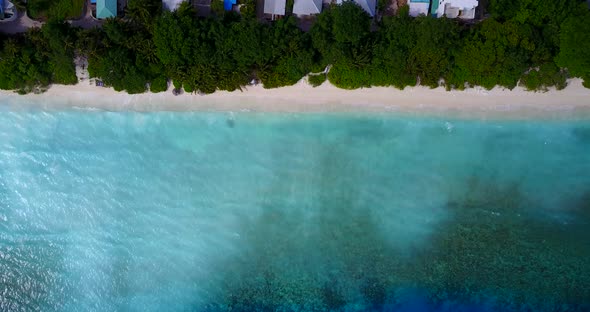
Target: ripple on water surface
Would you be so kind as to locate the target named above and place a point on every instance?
(211, 212)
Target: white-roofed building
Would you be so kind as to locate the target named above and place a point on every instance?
(8, 12)
(419, 7)
(370, 6)
(274, 7)
(463, 9)
(307, 7)
(171, 5)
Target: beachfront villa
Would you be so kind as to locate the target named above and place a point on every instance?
(307, 7)
(171, 5)
(228, 5)
(463, 9)
(419, 7)
(369, 6)
(105, 8)
(274, 8)
(7, 11)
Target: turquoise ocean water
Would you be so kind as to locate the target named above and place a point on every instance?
(114, 211)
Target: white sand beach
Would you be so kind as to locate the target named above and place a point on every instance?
(572, 102)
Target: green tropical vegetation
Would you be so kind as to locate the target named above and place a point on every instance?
(248, 8)
(29, 63)
(55, 10)
(537, 44)
(316, 80)
(217, 7)
(574, 42)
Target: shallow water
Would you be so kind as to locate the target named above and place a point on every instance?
(103, 211)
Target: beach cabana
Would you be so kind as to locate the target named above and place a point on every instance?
(370, 6)
(419, 7)
(463, 9)
(274, 8)
(228, 4)
(106, 8)
(307, 7)
(172, 5)
(7, 11)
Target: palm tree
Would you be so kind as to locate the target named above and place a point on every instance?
(10, 47)
(142, 12)
(137, 13)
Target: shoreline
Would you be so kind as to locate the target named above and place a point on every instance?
(475, 103)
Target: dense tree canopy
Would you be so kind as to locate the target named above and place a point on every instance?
(574, 53)
(122, 55)
(350, 24)
(395, 41)
(32, 61)
(54, 9)
(493, 54)
(540, 23)
(143, 12)
(342, 37)
(534, 12)
(432, 56)
(537, 43)
(289, 55)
